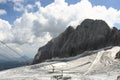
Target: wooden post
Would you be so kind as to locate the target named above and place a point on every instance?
(53, 68)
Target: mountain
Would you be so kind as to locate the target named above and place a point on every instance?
(100, 64)
(10, 64)
(15, 62)
(89, 35)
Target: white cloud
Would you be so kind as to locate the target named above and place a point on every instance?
(38, 4)
(21, 7)
(21, 37)
(55, 17)
(18, 5)
(5, 31)
(2, 12)
(29, 7)
(3, 1)
(23, 31)
(17, 1)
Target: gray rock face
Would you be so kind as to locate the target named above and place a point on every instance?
(117, 55)
(89, 35)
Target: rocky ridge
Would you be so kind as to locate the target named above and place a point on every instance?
(89, 35)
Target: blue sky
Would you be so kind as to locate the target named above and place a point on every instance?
(12, 14)
(107, 3)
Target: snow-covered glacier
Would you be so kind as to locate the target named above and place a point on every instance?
(91, 65)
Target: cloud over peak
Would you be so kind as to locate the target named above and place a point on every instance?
(55, 17)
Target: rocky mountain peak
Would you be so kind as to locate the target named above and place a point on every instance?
(93, 25)
(89, 35)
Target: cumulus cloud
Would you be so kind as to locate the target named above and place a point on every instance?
(3, 1)
(21, 38)
(18, 5)
(38, 4)
(5, 31)
(55, 17)
(2, 12)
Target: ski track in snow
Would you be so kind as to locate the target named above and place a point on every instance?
(99, 65)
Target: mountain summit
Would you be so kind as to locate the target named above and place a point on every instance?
(89, 35)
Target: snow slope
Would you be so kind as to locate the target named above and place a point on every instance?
(96, 65)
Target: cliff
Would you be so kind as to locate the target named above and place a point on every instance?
(89, 35)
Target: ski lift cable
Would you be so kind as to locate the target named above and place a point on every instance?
(12, 49)
(6, 57)
(5, 51)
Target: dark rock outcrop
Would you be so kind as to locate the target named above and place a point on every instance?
(89, 35)
(117, 55)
